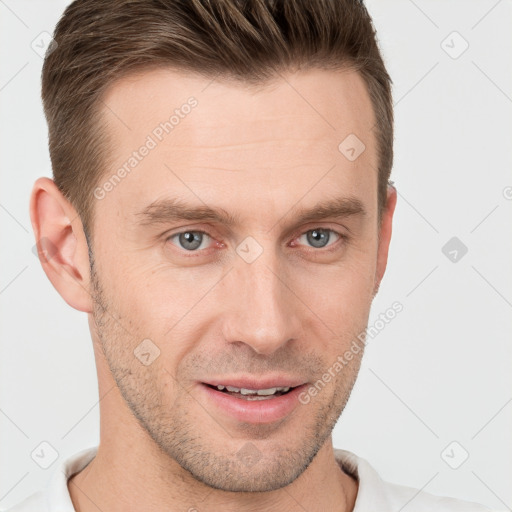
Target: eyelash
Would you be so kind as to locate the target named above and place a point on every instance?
(328, 248)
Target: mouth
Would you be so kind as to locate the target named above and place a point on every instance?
(253, 401)
(253, 394)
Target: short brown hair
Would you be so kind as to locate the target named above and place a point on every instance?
(100, 41)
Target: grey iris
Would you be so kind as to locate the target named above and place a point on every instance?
(191, 240)
(318, 237)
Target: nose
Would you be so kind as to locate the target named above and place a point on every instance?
(263, 310)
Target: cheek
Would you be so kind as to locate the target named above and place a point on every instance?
(343, 308)
(157, 304)
(341, 292)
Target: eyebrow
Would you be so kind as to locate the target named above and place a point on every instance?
(174, 209)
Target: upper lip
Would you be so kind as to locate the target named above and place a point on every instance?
(248, 382)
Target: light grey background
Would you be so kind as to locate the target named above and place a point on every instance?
(438, 373)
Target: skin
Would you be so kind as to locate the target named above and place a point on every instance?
(260, 154)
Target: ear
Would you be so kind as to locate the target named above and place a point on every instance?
(61, 244)
(385, 230)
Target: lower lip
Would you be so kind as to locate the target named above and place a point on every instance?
(255, 411)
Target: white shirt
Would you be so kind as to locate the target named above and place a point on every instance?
(374, 494)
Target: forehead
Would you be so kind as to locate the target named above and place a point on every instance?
(326, 101)
(273, 141)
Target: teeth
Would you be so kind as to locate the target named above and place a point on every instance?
(265, 392)
(248, 391)
(259, 392)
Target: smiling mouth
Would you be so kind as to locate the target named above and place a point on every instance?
(252, 394)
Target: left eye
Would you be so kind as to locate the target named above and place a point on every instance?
(319, 238)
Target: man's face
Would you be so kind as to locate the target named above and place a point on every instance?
(265, 300)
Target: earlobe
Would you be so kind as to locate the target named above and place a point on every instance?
(385, 231)
(61, 244)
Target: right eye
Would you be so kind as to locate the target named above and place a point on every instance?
(190, 241)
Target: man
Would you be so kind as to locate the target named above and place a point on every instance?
(221, 211)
